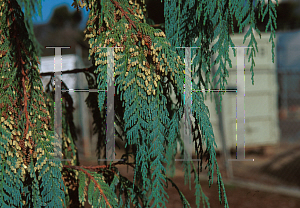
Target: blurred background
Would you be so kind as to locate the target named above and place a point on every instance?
(272, 106)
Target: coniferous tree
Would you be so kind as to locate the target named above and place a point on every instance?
(146, 67)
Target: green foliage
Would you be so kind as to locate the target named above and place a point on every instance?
(26, 132)
(11, 178)
(96, 187)
(29, 9)
(147, 67)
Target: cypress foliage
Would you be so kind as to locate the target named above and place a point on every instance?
(146, 66)
(28, 177)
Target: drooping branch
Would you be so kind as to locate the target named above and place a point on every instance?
(157, 25)
(14, 30)
(73, 71)
(124, 13)
(80, 168)
(99, 166)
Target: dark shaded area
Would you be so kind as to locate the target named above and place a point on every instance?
(288, 16)
(155, 10)
(288, 172)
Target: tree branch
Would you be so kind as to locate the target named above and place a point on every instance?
(99, 166)
(97, 185)
(125, 13)
(90, 69)
(14, 32)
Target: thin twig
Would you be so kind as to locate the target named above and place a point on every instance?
(156, 25)
(98, 186)
(69, 71)
(99, 166)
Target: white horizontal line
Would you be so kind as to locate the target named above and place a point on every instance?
(91, 90)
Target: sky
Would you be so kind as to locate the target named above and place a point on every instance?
(48, 7)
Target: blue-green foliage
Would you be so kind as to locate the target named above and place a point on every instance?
(201, 114)
(272, 20)
(28, 178)
(200, 194)
(32, 191)
(11, 183)
(68, 135)
(12, 178)
(204, 21)
(157, 131)
(148, 126)
(172, 136)
(127, 187)
(50, 175)
(99, 193)
(81, 193)
(145, 113)
(29, 9)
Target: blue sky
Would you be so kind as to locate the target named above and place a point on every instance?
(48, 7)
